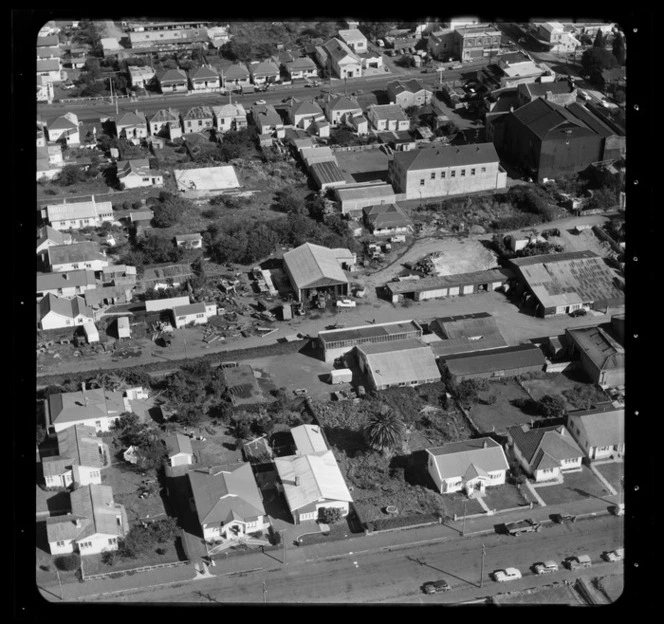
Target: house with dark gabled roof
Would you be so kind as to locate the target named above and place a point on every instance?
(227, 502)
(266, 118)
(546, 453)
(561, 92)
(59, 312)
(302, 67)
(338, 106)
(85, 255)
(65, 127)
(234, 74)
(166, 122)
(341, 60)
(602, 358)
(173, 81)
(546, 140)
(386, 219)
(447, 170)
(197, 119)
(204, 78)
(408, 93)
(179, 450)
(66, 283)
(303, 113)
(469, 466)
(95, 524)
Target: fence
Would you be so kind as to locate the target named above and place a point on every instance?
(131, 571)
(355, 148)
(405, 525)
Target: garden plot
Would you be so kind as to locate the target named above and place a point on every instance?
(500, 415)
(577, 394)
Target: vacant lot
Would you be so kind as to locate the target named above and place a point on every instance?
(571, 386)
(585, 240)
(217, 449)
(613, 473)
(502, 414)
(577, 486)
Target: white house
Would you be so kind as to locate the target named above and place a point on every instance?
(302, 67)
(156, 305)
(179, 450)
(86, 255)
(48, 237)
(132, 126)
(189, 241)
(197, 119)
(75, 215)
(137, 173)
(469, 465)
(204, 78)
(95, 523)
(196, 313)
(93, 407)
(355, 40)
(80, 458)
(339, 106)
(546, 453)
(59, 312)
(65, 284)
(302, 114)
(65, 127)
(49, 70)
(310, 482)
(229, 117)
(227, 502)
(388, 117)
(341, 60)
(600, 432)
(139, 77)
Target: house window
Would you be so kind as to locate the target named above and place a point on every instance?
(88, 265)
(422, 182)
(442, 174)
(74, 266)
(472, 172)
(483, 169)
(112, 540)
(433, 175)
(98, 424)
(146, 179)
(453, 174)
(60, 543)
(463, 172)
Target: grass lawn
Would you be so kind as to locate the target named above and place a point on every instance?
(613, 473)
(577, 486)
(611, 586)
(457, 503)
(92, 564)
(502, 414)
(216, 450)
(46, 574)
(560, 594)
(569, 385)
(505, 497)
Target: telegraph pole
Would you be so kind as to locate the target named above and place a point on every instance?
(59, 583)
(463, 527)
(482, 567)
(264, 592)
(283, 546)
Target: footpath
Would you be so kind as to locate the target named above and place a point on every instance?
(105, 589)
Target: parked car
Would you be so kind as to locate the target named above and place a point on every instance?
(579, 312)
(508, 574)
(578, 562)
(259, 102)
(300, 391)
(614, 555)
(346, 303)
(617, 510)
(584, 95)
(545, 567)
(435, 586)
(562, 518)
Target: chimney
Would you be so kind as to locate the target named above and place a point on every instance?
(485, 444)
(77, 523)
(297, 481)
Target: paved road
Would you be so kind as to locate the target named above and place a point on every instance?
(396, 575)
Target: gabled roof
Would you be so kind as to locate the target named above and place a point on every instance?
(545, 447)
(138, 166)
(491, 360)
(172, 75)
(373, 191)
(301, 64)
(64, 122)
(69, 308)
(537, 89)
(305, 108)
(65, 279)
(266, 115)
(311, 265)
(229, 110)
(77, 252)
(467, 332)
(204, 73)
(130, 118)
(198, 112)
(48, 40)
(390, 112)
(182, 238)
(386, 215)
(341, 102)
(47, 233)
(338, 50)
(264, 68)
(327, 172)
(171, 115)
(546, 120)
(46, 65)
(400, 361)
(63, 528)
(447, 156)
(352, 35)
(601, 426)
(192, 308)
(234, 71)
(600, 348)
(178, 443)
(95, 504)
(78, 210)
(415, 85)
(80, 444)
(90, 404)
(454, 460)
(318, 478)
(308, 439)
(225, 493)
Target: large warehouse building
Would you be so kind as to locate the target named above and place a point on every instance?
(602, 358)
(315, 268)
(448, 285)
(466, 332)
(564, 282)
(504, 362)
(399, 363)
(338, 342)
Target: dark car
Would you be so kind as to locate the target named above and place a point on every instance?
(579, 312)
(562, 518)
(435, 586)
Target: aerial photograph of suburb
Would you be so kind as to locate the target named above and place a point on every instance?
(330, 311)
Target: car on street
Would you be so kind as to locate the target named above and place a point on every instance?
(545, 567)
(563, 518)
(259, 102)
(584, 95)
(346, 303)
(435, 586)
(614, 555)
(508, 574)
(578, 562)
(300, 391)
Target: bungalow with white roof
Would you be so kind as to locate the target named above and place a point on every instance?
(600, 432)
(80, 458)
(60, 312)
(140, 77)
(545, 453)
(137, 173)
(75, 215)
(132, 126)
(308, 439)
(189, 241)
(86, 255)
(469, 465)
(95, 524)
(229, 117)
(204, 78)
(180, 452)
(196, 313)
(310, 482)
(65, 127)
(354, 39)
(227, 502)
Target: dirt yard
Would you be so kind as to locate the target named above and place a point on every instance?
(584, 240)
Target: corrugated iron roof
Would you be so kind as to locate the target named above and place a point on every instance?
(601, 427)
(495, 360)
(456, 458)
(400, 361)
(309, 264)
(539, 443)
(450, 281)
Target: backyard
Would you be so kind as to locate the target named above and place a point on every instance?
(576, 486)
(570, 385)
(500, 415)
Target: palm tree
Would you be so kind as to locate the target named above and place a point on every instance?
(384, 431)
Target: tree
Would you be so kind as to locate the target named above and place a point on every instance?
(405, 61)
(619, 48)
(466, 392)
(595, 60)
(330, 515)
(165, 215)
(70, 174)
(552, 406)
(376, 30)
(599, 39)
(157, 249)
(384, 430)
(69, 562)
(41, 434)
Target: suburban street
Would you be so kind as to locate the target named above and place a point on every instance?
(396, 575)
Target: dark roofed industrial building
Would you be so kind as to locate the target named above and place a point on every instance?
(602, 358)
(504, 362)
(327, 174)
(564, 282)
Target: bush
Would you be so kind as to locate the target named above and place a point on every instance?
(69, 562)
(552, 406)
(330, 515)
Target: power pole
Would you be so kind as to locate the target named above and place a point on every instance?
(264, 592)
(283, 546)
(463, 527)
(482, 567)
(60, 584)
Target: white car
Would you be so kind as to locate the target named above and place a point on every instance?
(259, 102)
(545, 567)
(508, 574)
(614, 555)
(584, 95)
(346, 303)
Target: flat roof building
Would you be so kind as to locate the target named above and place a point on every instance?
(466, 332)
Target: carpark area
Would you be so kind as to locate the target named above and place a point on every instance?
(575, 487)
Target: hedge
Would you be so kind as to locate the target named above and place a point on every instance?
(399, 522)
